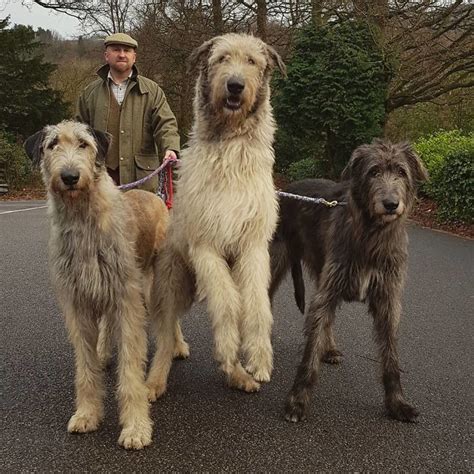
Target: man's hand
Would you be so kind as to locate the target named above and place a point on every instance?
(170, 154)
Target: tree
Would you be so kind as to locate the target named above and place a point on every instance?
(429, 42)
(97, 16)
(217, 17)
(27, 102)
(333, 99)
(434, 46)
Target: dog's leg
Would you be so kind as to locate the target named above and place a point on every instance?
(252, 275)
(331, 355)
(181, 347)
(132, 392)
(83, 333)
(321, 314)
(173, 295)
(105, 341)
(386, 309)
(215, 282)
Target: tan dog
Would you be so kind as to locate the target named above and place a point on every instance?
(102, 248)
(224, 215)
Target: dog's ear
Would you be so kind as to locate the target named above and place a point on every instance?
(351, 166)
(34, 146)
(417, 167)
(276, 61)
(103, 140)
(199, 54)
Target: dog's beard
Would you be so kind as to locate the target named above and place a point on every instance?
(69, 193)
(387, 218)
(232, 106)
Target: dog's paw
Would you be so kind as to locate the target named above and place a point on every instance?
(134, 438)
(402, 411)
(249, 385)
(262, 374)
(155, 391)
(260, 365)
(242, 380)
(332, 356)
(83, 422)
(296, 407)
(181, 350)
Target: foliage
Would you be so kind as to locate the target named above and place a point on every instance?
(412, 123)
(454, 186)
(306, 168)
(434, 149)
(334, 95)
(27, 103)
(71, 77)
(19, 170)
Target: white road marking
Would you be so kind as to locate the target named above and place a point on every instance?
(21, 210)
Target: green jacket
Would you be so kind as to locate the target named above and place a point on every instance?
(147, 124)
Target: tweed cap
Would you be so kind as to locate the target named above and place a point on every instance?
(120, 38)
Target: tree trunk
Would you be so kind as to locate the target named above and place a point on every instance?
(331, 152)
(262, 19)
(317, 12)
(373, 11)
(217, 17)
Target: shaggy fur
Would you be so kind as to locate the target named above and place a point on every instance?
(102, 247)
(224, 214)
(356, 252)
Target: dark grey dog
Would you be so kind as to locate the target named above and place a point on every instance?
(356, 252)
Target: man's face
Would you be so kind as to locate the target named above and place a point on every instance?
(120, 58)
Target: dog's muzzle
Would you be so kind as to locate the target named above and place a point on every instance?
(390, 205)
(70, 178)
(235, 86)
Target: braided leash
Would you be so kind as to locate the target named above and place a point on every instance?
(312, 200)
(166, 162)
(165, 190)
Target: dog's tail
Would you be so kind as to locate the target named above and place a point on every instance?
(298, 283)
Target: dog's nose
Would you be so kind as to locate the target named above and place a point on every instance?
(70, 178)
(235, 86)
(390, 205)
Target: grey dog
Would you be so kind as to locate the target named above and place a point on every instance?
(356, 252)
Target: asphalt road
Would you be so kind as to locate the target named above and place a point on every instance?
(201, 425)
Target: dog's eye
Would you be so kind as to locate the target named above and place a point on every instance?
(52, 143)
(222, 59)
(251, 61)
(83, 144)
(374, 173)
(402, 173)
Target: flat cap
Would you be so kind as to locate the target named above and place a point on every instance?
(120, 38)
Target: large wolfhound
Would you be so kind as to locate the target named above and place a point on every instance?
(353, 253)
(102, 245)
(224, 214)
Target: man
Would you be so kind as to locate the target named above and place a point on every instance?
(134, 110)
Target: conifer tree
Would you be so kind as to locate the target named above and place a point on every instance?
(27, 102)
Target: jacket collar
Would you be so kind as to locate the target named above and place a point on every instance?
(135, 77)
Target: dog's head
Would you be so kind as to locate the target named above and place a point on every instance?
(71, 156)
(383, 179)
(235, 70)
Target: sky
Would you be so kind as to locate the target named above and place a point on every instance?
(36, 16)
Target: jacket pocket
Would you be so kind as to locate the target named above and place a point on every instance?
(145, 164)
